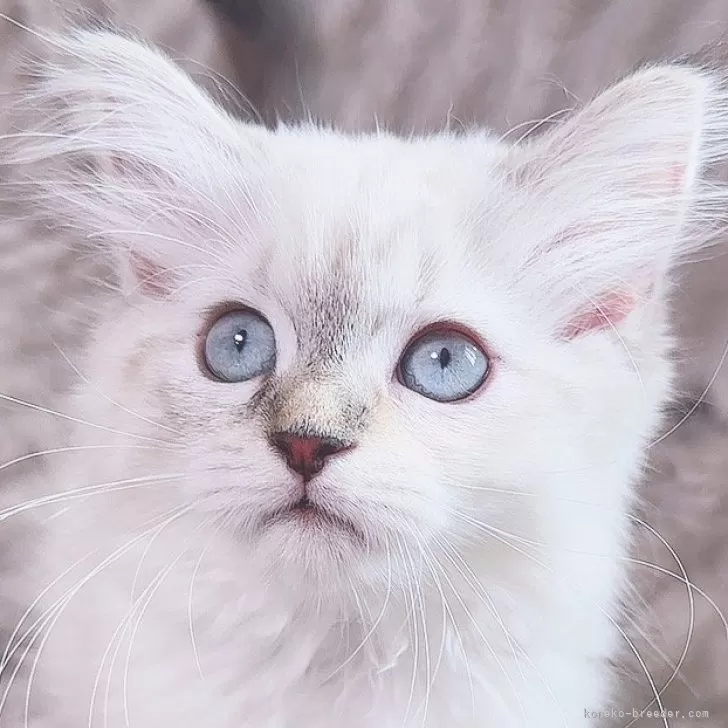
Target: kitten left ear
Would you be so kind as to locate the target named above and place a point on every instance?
(617, 190)
(134, 155)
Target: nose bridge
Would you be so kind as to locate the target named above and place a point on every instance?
(318, 407)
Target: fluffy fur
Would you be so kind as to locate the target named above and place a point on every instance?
(484, 586)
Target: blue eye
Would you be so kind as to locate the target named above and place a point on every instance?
(443, 365)
(240, 346)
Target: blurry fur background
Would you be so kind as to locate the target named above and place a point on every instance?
(417, 65)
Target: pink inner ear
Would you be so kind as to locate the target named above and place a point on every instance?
(152, 279)
(676, 177)
(603, 313)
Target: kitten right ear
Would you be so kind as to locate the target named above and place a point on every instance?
(125, 149)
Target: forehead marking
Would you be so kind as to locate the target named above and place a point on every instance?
(350, 290)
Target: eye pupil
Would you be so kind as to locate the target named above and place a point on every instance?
(239, 339)
(444, 357)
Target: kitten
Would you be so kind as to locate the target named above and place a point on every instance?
(361, 427)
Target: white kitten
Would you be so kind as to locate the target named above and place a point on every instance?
(364, 422)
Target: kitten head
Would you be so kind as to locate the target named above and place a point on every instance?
(370, 347)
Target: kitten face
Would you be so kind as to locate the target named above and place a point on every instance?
(549, 258)
(346, 282)
(344, 288)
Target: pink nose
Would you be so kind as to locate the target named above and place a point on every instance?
(306, 454)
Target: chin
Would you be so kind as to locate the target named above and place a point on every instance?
(319, 545)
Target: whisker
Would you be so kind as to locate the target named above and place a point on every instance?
(690, 586)
(104, 396)
(493, 533)
(478, 587)
(8, 651)
(359, 606)
(639, 562)
(78, 448)
(127, 662)
(7, 654)
(152, 589)
(619, 338)
(425, 639)
(195, 571)
(70, 418)
(531, 494)
(487, 644)
(460, 640)
(691, 602)
(121, 629)
(697, 402)
(117, 638)
(432, 568)
(374, 626)
(414, 627)
(51, 616)
(83, 492)
(167, 519)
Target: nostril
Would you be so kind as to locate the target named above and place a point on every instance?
(330, 446)
(306, 454)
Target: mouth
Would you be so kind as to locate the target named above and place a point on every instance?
(306, 515)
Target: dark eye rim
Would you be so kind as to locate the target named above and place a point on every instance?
(466, 332)
(211, 316)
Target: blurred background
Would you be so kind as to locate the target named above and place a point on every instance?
(419, 65)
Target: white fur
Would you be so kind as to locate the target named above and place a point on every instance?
(496, 528)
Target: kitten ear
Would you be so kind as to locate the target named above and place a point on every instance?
(618, 192)
(125, 149)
